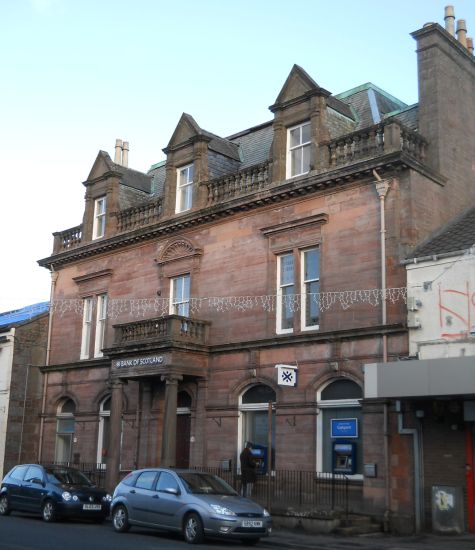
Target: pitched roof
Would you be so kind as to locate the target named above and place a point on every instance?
(26, 313)
(457, 236)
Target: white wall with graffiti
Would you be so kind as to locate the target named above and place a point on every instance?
(441, 306)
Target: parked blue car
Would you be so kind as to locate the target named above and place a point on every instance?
(196, 504)
(53, 492)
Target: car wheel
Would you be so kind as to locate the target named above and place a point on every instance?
(193, 529)
(120, 519)
(48, 511)
(4, 506)
(251, 542)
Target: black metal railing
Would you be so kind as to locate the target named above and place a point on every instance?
(290, 489)
(284, 490)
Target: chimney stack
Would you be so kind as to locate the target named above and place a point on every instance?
(462, 32)
(118, 151)
(125, 153)
(450, 20)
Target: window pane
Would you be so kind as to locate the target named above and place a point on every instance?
(312, 260)
(305, 159)
(306, 133)
(166, 481)
(311, 304)
(294, 137)
(68, 406)
(287, 311)
(342, 389)
(296, 162)
(145, 480)
(66, 425)
(259, 394)
(287, 269)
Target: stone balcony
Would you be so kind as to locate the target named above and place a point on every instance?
(169, 330)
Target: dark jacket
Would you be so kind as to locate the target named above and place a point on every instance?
(248, 466)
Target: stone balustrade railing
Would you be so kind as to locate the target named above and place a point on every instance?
(247, 181)
(171, 327)
(378, 139)
(138, 216)
(69, 238)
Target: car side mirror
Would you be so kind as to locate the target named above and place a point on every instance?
(172, 491)
(37, 481)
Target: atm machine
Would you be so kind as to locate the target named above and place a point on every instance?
(344, 457)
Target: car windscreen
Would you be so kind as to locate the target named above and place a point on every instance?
(200, 483)
(67, 476)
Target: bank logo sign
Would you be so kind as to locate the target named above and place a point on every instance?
(148, 361)
(286, 375)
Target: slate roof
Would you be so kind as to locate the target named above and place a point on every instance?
(457, 236)
(27, 313)
(349, 111)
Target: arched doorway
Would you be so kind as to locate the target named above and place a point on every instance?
(254, 420)
(338, 402)
(183, 429)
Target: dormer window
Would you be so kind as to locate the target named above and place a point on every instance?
(184, 190)
(298, 150)
(99, 226)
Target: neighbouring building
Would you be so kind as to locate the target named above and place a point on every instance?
(434, 387)
(259, 268)
(23, 337)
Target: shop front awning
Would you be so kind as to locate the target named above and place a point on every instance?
(420, 378)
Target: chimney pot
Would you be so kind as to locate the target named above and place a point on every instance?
(470, 45)
(125, 153)
(462, 32)
(118, 151)
(450, 20)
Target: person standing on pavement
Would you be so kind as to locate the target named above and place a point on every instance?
(248, 470)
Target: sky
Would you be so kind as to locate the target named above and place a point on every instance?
(77, 74)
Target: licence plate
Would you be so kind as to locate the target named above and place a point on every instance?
(251, 523)
(92, 507)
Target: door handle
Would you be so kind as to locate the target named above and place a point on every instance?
(155, 496)
(132, 491)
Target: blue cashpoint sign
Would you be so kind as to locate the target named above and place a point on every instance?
(344, 427)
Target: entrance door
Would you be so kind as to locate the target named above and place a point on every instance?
(183, 424)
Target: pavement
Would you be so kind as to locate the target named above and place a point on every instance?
(301, 540)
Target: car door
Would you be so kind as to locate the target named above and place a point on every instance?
(139, 497)
(33, 488)
(14, 487)
(166, 502)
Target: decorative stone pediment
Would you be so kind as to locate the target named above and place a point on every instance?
(299, 85)
(102, 165)
(177, 250)
(187, 131)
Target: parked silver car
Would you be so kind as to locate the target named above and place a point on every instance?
(194, 503)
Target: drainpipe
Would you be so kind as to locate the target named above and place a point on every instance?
(54, 278)
(382, 187)
(417, 464)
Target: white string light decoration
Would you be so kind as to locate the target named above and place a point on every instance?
(142, 308)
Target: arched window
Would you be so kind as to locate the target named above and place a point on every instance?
(64, 430)
(254, 425)
(339, 423)
(104, 430)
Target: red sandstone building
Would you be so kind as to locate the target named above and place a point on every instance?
(248, 269)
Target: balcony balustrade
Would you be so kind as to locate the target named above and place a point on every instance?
(247, 181)
(170, 328)
(69, 238)
(138, 216)
(376, 140)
